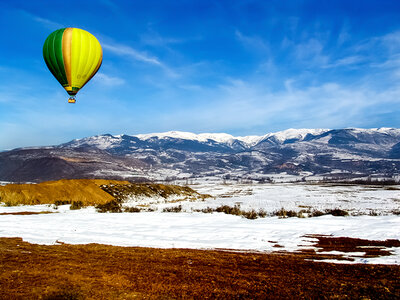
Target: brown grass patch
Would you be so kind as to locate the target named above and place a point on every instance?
(96, 271)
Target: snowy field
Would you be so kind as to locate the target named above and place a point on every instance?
(356, 199)
(189, 229)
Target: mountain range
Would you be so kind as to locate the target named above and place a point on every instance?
(305, 153)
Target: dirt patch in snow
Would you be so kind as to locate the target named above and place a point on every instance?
(346, 248)
(26, 213)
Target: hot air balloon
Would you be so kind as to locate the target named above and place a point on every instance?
(73, 56)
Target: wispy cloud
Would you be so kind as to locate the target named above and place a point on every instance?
(392, 41)
(154, 39)
(311, 52)
(382, 52)
(345, 61)
(48, 23)
(344, 35)
(317, 53)
(244, 106)
(254, 42)
(51, 24)
(131, 53)
(107, 80)
(250, 105)
(387, 45)
(391, 62)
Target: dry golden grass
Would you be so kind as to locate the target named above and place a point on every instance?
(90, 192)
(96, 271)
(86, 191)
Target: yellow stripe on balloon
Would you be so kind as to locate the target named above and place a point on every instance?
(85, 55)
(97, 68)
(96, 58)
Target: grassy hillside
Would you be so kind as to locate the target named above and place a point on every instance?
(86, 192)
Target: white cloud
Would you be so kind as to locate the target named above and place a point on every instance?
(107, 80)
(345, 61)
(392, 41)
(48, 23)
(311, 52)
(43, 21)
(131, 53)
(241, 105)
(254, 42)
(152, 38)
(127, 51)
(344, 35)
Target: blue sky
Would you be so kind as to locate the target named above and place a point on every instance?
(240, 67)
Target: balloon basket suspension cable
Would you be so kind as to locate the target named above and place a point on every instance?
(71, 99)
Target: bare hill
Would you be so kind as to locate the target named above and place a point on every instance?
(86, 192)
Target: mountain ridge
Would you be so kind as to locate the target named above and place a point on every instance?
(348, 152)
(217, 137)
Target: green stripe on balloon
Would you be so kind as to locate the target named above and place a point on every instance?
(53, 56)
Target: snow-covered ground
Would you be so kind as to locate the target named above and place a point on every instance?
(190, 229)
(357, 200)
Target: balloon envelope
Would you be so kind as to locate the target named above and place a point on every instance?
(73, 56)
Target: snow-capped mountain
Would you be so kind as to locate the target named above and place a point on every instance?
(304, 152)
(110, 141)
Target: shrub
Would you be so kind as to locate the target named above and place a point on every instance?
(316, 213)
(235, 210)
(283, 213)
(61, 202)
(132, 209)
(262, 213)
(252, 214)
(336, 212)
(112, 206)
(207, 210)
(291, 213)
(76, 205)
(230, 210)
(9, 203)
(173, 209)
